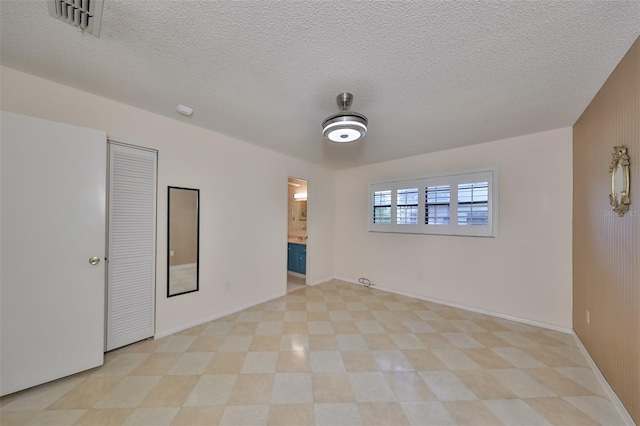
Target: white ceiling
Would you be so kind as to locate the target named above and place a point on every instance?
(429, 75)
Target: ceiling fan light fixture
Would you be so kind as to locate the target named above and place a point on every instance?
(345, 126)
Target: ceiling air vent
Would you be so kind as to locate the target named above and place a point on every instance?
(85, 14)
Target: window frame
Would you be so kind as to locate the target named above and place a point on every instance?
(452, 228)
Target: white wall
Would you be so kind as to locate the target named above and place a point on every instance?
(243, 195)
(524, 272)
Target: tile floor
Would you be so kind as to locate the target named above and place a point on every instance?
(295, 283)
(332, 354)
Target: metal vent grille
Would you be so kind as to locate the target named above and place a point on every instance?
(85, 14)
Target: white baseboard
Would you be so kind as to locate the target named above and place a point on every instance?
(468, 308)
(605, 384)
(215, 317)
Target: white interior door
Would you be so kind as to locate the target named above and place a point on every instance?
(52, 219)
(132, 245)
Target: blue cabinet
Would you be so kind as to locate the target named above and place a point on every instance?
(297, 258)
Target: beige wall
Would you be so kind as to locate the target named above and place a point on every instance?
(243, 233)
(183, 227)
(606, 248)
(524, 272)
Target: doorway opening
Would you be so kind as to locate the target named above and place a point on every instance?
(297, 234)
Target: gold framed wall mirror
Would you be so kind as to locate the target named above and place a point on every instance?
(183, 243)
(620, 196)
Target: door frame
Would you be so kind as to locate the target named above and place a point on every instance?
(308, 269)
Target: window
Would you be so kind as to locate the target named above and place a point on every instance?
(449, 205)
(407, 206)
(382, 207)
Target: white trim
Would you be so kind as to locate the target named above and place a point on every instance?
(216, 316)
(605, 384)
(469, 308)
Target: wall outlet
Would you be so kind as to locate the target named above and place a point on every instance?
(172, 253)
(588, 317)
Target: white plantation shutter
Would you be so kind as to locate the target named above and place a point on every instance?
(132, 233)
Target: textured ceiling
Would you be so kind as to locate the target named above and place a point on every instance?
(429, 75)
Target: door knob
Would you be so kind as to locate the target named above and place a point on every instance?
(94, 260)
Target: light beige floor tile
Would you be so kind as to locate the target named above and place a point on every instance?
(211, 390)
(152, 416)
(565, 338)
(379, 341)
(359, 361)
(55, 417)
(86, 394)
(16, 418)
(218, 328)
(320, 327)
(461, 340)
(557, 382)
(407, 341)
(558, 411)
(469, 325)
(40, 397)
(515, 412)
(427, 413)
(293, 362)
(382, 413)
(486, 358)
(447, 386)
(340, 316)
(244, 328)
(259, 362)
(418, 326)
(455, 359)
(206, 343)
(542, 339)
(252, 389)
(471, 413)
(337, 414)
(345, 327)
(121, 365)
(267, 343)
(129, 392)
(295, 316)
(104, 417)
(176, 343)
(249, 316)
(351, 342)
(428, 315)
(273, 316)
(269, 327)
(370, 327)
(144, 346)
(323, 342)
(292, 388)
(488, 339)
(572, 354)
(318, 316)
(326, 362)
(243, 415)
(225, 363)
(548, 357)
(518, 358)
(584, 377)
(171, 391)
(423, 360)
(599, 409)
(294, 342)
(392, 360)
(193, 331)
(291, 414)
(156, 364)
(434, 341)
(191, 363)
(235, 343)
(335, 306)
(331, 387)
(198, 416)
(408, 386)
(521, 384)
(370, 387)
(484, 385)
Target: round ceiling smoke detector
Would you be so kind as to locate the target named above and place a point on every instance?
(345, 126)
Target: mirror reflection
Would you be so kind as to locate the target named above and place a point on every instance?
(183, 241)
(619, 169)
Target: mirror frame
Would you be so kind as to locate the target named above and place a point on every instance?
(620, 159)
(197, 191)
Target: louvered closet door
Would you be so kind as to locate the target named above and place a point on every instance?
(132, 245)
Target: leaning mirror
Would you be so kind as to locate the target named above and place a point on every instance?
(183, 241)
(620, 185)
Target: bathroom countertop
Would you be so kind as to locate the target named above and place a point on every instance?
(296, 240)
